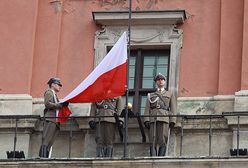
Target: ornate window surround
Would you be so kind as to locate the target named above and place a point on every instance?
(149, 29)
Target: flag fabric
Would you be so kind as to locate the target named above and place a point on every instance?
(64, 112)
(107, 80)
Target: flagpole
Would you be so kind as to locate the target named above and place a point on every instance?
(127, 91)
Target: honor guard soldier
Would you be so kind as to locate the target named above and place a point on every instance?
(161, 102)
(105, 126)
(52, 105)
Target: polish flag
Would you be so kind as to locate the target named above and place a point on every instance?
(107, 80)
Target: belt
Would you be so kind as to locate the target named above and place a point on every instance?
(105, 107)
(159, 107)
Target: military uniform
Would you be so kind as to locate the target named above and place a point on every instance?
(159, 103)
(51, 127)
(105, 126)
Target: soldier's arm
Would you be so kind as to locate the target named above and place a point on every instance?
(49, 101)
(93, 112)
(173, 106)
(119, 107)
(147, 110)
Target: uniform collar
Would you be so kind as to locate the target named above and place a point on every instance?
(53, 91)
(162, 89)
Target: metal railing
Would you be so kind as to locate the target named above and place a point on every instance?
(183, 120)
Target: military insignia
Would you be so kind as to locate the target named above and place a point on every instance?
(153, 98)
(113, 100)
(99, 103)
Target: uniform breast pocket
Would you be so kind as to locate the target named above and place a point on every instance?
(166, 100)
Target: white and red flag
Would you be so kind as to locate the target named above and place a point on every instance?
(107, 80)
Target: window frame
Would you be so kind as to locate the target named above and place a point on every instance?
(137, 92)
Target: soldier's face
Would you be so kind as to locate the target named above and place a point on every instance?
(160, 83)
(56, 87)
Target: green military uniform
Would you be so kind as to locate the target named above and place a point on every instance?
(159, 103)
(51, 127)
(105, 126)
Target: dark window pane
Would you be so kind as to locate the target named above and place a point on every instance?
(148, 82)
(130, 99)
(163, 59)
(143, 105)
(131, 83)
(131, 71)
(149, 60)
(162, 69)
(132, 61)
(148, 71)
(155, 61)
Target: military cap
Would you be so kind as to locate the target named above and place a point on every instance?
(55, 81)
(159, 76)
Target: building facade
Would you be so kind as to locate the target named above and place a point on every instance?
(200, 45)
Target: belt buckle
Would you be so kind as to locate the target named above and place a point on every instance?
(158, 106)
(105, 106)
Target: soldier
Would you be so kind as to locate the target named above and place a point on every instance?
(161, 102)
(105, 126)
(52, 105)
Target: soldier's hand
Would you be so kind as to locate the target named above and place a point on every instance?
(171, 125)
(147, 124)
(65, 104)
(121, 124)
(92, 124)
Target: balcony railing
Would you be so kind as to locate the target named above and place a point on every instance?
(180, 127)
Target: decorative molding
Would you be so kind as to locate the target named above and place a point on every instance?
(150, 17)
(146, 39)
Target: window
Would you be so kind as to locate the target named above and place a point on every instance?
(143, 66)
(156, 30)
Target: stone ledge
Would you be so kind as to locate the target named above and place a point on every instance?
(38, 100)
(5, 97)
(15, 104)
(11, 123)
(213, 98)
(169, 17)
(145, 162)
(205, 105)
(241, 93)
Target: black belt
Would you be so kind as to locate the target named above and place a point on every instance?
(105, 107)
(159, 107)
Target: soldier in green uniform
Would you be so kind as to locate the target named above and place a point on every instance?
(105, 126)
(52, 105)
(161, 102)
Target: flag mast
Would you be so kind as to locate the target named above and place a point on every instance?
(127, 91)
